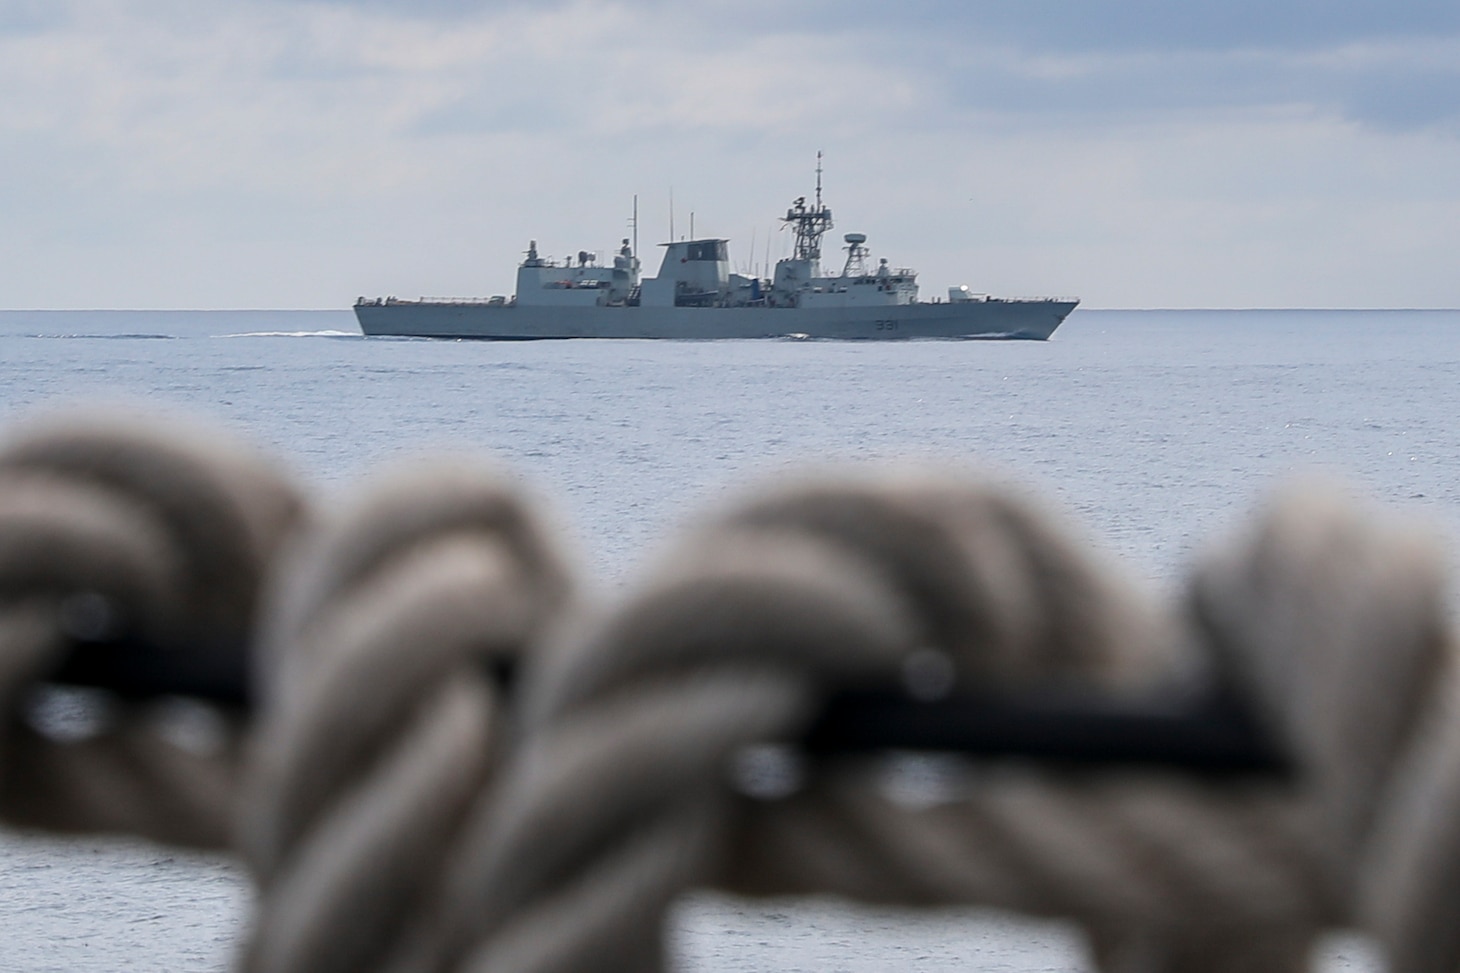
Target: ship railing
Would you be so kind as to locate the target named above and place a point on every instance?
(1001, 299)
(494, 300)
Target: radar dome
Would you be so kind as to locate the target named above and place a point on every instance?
(855, 238)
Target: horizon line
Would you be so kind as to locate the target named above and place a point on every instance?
(276, 310)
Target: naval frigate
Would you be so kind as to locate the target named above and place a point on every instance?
(696, 296)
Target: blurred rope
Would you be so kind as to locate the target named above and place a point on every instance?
(621, 794)
(388, 652)
(454, 763)
(127, 537)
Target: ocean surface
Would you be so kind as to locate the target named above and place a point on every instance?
(1156, 430)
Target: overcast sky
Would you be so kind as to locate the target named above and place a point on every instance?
(285, 153)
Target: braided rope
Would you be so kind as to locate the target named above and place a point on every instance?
(118, 528)
(618, 799)
(385, 645)
(400, 815)
(734, 642)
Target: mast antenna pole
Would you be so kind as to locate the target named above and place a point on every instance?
(818, 179)
(809, 224)
(671, 214)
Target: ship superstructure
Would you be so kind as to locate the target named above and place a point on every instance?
(547, 283)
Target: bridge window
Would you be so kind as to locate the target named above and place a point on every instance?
(707, 250)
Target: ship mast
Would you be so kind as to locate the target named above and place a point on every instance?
(810, 223)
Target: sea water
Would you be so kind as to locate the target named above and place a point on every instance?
(1156, 431)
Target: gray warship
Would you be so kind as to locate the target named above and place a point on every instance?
(696, 296)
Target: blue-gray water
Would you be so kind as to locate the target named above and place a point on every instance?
(1156, 429)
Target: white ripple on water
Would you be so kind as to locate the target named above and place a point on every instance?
(293, 334)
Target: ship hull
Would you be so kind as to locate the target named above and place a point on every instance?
(992, 318)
